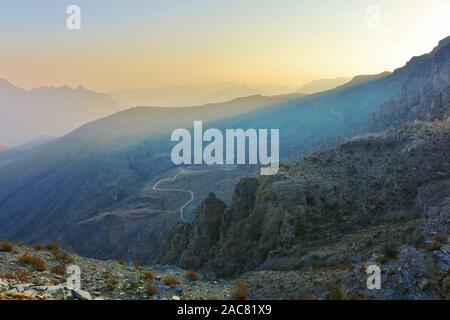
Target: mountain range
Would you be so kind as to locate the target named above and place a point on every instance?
(54, 111)
(194, 95)
(94, 190)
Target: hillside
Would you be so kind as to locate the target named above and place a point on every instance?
(42, 277)
(381, 198)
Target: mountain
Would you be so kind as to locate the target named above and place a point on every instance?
(193, 95)
(109, 189)
(99, 177)
(51, 111)
(378, 197)
(323, 85)
(365, 78)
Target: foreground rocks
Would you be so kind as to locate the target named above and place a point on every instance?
(101, 280)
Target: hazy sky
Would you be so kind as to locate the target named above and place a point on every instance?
(140, 43)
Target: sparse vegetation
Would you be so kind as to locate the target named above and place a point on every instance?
(111, 284)
(122, 261)
(6, 246)
(8, 276)
(22, 276)
(21, 243)
(36, 262)
(192, 275)
(241, 291)
(52, 246)
(64, 258)
(25, 258)
(149, 276)
(38, 246)
(171, 280)
(59, 270)
(150, 289)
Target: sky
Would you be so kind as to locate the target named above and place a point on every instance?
(146, 43)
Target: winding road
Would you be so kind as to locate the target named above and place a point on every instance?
(156, 188)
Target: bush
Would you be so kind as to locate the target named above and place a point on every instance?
(64, 257)
(22, 276)
(8, 276)
(59, 270)
(241, 291)
(192, 275)
(111, 284)
(38, 264)
(25, 258)
(149, 276)
(171, 280)
(122, 261)
(38, 246)
(21, 243)
(136, 264)
(151, 290)
(52, 246)
(6, 246)
(438, 238)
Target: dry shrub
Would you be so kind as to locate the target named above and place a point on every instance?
(22, 276)
(8, 276)
(38, 263)
(438, 238)
(122, 261)
(6, 246)
(171, 280)
(64, 257)
(52, 247)
(25, 258)
(136, 264)
(38, 246)
(21, 243)
(192, 275)
(149, 276)
(59, 270)
(151, 290)
(241, 291)
(111, 284)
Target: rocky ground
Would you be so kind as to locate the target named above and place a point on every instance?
(101, 280)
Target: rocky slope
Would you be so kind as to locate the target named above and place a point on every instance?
(333, 211)
(100, 280)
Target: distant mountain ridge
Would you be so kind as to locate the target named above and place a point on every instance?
(323, 85)
(53, 111)
(194, 95)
